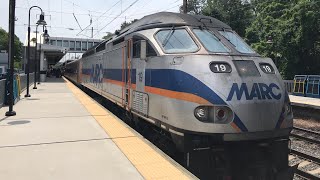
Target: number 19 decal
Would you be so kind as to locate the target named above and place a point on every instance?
(220, 67)
(267, 68)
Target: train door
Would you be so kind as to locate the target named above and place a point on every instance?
(140, 99)
(126, 73)
(140, 66)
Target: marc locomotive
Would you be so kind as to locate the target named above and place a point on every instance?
(193, 77)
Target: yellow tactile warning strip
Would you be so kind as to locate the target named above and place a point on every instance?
(150, 163)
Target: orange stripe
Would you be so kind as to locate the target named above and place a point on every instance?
(113, 82)
(133, 86)
(235, 127)
(172, 94)
(177, 95)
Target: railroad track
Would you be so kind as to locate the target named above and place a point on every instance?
(306, 159)
(312, 140)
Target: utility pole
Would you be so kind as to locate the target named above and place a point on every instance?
(92, 32)
(185, 6)
(12, 6)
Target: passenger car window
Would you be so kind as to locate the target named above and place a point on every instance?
(210, 41)
(176, 41)
(237, 42)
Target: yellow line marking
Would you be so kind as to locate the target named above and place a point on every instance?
(150, 163)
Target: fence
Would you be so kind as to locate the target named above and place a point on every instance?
(23, 80)
(23, 86)
(2, 91)
(289, 85)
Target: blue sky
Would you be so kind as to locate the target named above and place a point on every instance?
(107, 15)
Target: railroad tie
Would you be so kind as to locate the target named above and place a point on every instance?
(291, 157)
(304, 163)
(316, 171)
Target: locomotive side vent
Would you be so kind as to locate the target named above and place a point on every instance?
(140, 102)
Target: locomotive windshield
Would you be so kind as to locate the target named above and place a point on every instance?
(176, 41)
(237, 42)
(210, 41)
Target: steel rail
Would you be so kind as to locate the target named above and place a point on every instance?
(307, 131)
(306, 175)
(305, 138)
(308, 157)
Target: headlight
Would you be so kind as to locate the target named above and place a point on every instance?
(214, 114)
(202, 113)
(288, 108)
(287, 105)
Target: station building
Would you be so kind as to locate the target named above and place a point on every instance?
(54, 50)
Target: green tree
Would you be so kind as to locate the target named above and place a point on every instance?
(236, 13)
(126, 24)
(294, 27)
(108, 36)
(4, 45)
(194, 6)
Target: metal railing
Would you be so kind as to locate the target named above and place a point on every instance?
(2, 91)
(23, 80)
(23, 86)
(289, 85)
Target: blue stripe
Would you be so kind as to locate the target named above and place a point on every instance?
(174, 80)
(113, 74)
(239, 123)
(86, 71)
(280, 120)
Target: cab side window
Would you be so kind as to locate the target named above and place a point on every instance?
(137, 48)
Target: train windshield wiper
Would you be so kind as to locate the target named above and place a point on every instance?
(225, 34)
(169, 35)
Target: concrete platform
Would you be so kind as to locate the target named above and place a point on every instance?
(60, 133)
(307, 102)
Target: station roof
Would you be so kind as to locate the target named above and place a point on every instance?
(169, 19)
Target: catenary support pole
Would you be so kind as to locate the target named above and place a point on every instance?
(12, 5)
(185, 6)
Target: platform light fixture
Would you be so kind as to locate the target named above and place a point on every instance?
(41, 21)
(46, 40)
(46, 36)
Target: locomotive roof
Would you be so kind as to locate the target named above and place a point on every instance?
(165, 19)
(169, 19)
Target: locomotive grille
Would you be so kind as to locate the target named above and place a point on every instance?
(140, 102)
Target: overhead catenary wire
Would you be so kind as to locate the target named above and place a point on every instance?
(150, 12)
(116, 17)
(77, 14)
(100, 16)
(111, 17)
